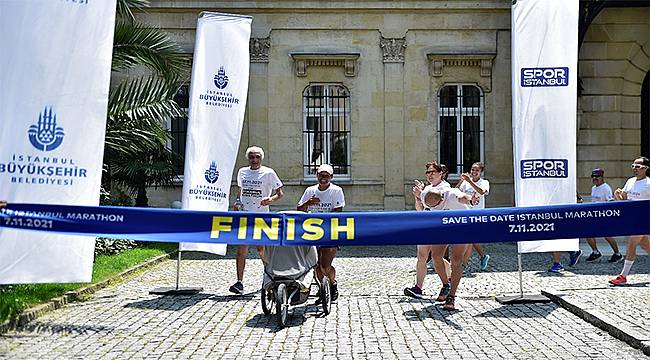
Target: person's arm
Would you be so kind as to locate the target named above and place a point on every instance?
(238, 205)
(417, 191)
(478, 189)
(277, 195)
(468, 199)
(3, 203)
(338, 209)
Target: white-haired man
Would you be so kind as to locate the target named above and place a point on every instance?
(324, 197)
(259, 186)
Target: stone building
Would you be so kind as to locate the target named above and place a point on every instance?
(377, 88)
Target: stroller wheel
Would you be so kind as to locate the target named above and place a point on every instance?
(267, 301)
(325, 295)
(281, 305)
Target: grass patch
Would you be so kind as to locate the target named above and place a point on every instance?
(22, 296)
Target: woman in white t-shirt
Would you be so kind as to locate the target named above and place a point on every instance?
(471, 184)
(636, 188)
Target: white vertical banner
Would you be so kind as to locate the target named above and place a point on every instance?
(217, 104)
(55, 67)
(544, 73)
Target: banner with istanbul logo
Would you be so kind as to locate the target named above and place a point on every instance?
(55, 69)
(544, 79)
(218, 93)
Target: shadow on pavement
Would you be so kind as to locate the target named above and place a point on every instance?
(520, 311)
(53, 328)
(180, 302)
(297, 316)
(434, 312)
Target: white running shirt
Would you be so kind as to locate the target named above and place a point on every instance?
(256, 185)
(637, 189)
(468, 189)
(331, 198)
(601, 193)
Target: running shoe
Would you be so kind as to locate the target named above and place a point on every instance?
(334, 291)
(615, 258)
(619, 280)
(556, 268)
(449, 303)
(444, 291)
(484, 262)
(237, 288)
(414, 292)
(574, 257)
(594, 256)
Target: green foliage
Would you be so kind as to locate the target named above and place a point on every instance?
(136, 155)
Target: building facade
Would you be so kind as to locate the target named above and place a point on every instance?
(378, 88)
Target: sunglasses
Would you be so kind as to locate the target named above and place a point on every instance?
(638, 166)
(429, 172)
(254, 156)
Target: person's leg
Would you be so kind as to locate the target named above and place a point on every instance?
(468, 254)
(457, 255)
(437, 254)
(557, 264)
(592, 245)
(327, 255)
(421, 265)
(479, 250)
(645, 243)
(240, 261)
(612, 243)
(630, 256)
(260, 250)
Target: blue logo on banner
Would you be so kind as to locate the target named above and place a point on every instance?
(221, 79)
(45, 135)
(552, 76)
(544, 168)
(212, 175)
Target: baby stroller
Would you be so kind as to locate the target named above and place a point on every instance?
(287, 280)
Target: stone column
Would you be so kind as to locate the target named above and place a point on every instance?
(393, 54)
(257, 115)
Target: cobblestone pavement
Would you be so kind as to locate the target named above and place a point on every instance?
(372, 319)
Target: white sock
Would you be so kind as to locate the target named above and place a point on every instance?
(626, 267)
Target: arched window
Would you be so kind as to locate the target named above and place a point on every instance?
(326, 129)
(645, 116)
(460, 127)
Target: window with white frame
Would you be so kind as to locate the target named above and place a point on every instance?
(460, 127)
(326, 129)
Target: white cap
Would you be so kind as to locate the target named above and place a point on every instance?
(325, 168)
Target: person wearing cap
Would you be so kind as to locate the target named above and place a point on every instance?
(636, 188)
(259, 186)
(324, 197)
(602, 192)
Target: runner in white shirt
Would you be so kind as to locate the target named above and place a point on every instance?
(636, 188)
(470, 184)
(453, 199)
(259, 186)
(601, 192)
(324, 197)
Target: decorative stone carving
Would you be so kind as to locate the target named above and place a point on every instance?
(393, 49)
(259, 49)
(437, 62)
(305, 60)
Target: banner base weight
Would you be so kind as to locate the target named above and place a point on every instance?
(176, 291)
(523, 299)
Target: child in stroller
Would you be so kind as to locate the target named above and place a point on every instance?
(288, 274)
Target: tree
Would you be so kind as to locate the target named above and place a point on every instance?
(135, 152)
